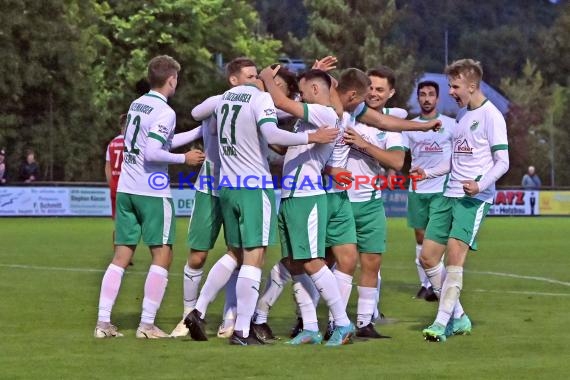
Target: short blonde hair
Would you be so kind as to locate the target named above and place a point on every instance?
(468, 68)
(160, 68)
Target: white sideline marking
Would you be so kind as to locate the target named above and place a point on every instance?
(520, 292)
(501, 274)
(63, 269)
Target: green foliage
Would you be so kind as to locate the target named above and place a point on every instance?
(539, 134)
(72, 67)
(360, 34)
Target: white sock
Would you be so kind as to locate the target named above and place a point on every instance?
(110, 286)
(436, 276)
(217, 278)
(449, 294)
(191, 282)
(458, 310)
(366, 305)
(344, 282)
(424, 281)
(304, 302)
(277, 279)
(376, 313)
(247, 291)
(230, 305)
(154, 289)
(326, 284)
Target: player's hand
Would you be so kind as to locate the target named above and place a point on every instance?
(323, 135)
(341, 176)
(194, 157)
(418, 173)
(268, 73)
(470, 187)
(327, 63)
(431, 125)
(353, 138)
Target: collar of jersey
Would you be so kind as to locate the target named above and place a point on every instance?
(429, 118)
(156, 94)
(473, 109)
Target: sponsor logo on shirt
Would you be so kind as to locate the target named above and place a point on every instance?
(462, 147)
(431, 148)
(270, 112)
(163, 129)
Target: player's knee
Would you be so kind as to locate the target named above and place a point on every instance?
(197, 259)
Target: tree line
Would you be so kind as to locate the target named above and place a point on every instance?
(71, 67)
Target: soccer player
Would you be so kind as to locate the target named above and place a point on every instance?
(382, 89)
(144, 204)
(303, 212)
(479, 158)
(206, 220)
(427, 149)
(246, 192)
(370, 151)
(113, 163)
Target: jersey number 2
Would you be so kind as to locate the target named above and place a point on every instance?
(137, 124)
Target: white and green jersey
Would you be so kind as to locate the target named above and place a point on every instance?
(361, 163)
(477, 134)
(209, 176)
(149, 117)
(303, 165)
(240, 114)
(428, 149)
(339, 157)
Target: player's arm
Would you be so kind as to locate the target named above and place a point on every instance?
(279, 149)
(184, 138)
(443, 168)
(394, 124)
(157, 142)
(274, 135)
(388, 158)
(280, 100)
(205, 109)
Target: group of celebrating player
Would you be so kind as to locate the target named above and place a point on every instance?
(340, 128)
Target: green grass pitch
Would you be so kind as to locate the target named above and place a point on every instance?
(516, 290)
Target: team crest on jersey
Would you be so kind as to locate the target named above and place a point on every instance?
(270, 112)
(441, 130)
(431, 148)
(474, 125)
(461, 146)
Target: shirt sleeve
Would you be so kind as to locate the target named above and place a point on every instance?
(184, 138)
(319, 115)
(264, 110)
(163, 127)
(394, 141)
(273, 135)
(205, 109)
(107, 154)
(497, 132)
(405, 141)
(396, 112)
(154, 152)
